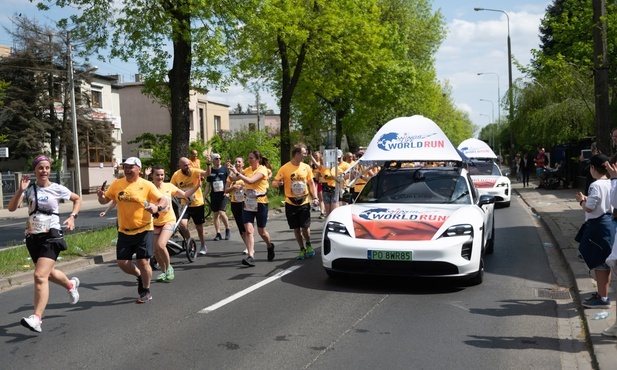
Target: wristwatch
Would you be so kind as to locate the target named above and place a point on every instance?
(160, 209)
(74, 215)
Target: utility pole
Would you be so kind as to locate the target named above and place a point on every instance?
(600, 77)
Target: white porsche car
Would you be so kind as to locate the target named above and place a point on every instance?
(486, 174)
(488, 179)
(414, 218)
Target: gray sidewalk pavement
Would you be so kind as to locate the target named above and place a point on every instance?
(557, 210)
(562, 216)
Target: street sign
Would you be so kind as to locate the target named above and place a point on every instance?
(4, 152)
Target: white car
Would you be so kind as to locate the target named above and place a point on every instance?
(413, 218)
(486, 174)
(488, 179)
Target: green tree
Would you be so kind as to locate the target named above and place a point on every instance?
(190, 33)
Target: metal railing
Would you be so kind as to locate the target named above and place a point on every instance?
(10, 183)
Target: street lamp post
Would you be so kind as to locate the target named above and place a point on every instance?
(510, 92)
(492, 138)
(74, 119)
(71, 76)
(498, 108)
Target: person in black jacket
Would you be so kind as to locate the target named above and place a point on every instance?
(526, 166)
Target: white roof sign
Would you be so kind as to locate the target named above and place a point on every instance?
(414, 138)
(474, 148)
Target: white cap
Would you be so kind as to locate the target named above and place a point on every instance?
(133, 161)
(216, 156)
(339, 153)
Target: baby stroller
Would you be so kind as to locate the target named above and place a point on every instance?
(554, 177)
(175, 246)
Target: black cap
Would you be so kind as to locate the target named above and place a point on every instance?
(598, 160)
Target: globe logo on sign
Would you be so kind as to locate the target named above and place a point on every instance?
(371, 214)
(383, 141)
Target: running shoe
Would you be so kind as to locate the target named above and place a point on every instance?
(245, 251)
(310, 252)
(227, 234)
(610, 332)
(597, 302)
(271, 252)
(248, 261)
(162, 276)
(322, 216)
(32, 322)
(145, 297)
(203, 251)
(217, 237)
(73, 293)
(170, 273)
(592, 297)
(302, 255)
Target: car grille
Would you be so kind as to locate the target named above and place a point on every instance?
(398, 268)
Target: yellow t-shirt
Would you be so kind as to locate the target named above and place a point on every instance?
(195, 163)
(167, 215)
(236, 196)
(261, 186)
(130, 198)
(187, 182)
(296, 181)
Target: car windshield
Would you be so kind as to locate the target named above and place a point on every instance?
(416, 186)
(484, 169)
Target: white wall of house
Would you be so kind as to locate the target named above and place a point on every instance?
(248, 122)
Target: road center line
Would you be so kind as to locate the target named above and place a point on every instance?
(248, 290)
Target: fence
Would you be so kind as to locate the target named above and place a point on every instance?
(10, 185)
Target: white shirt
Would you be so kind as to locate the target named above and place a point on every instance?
(48, 198)
(599, 199)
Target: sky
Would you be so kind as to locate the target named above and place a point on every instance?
(476, 42)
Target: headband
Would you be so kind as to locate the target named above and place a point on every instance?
(40, 158)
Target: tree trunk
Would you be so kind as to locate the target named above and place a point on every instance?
(179, 86)
(601, 77)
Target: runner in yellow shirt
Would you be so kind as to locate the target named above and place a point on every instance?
(164, 223)
(255, 177)
(235, 188)
(297, 179)
(186, 178)
(137, 199)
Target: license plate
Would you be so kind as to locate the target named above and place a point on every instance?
(389, 255)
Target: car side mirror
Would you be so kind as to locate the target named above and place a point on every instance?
(486, 199)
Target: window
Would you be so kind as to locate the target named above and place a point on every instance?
(217, 124)
(201, 125)
(191, 128)
(97, 99)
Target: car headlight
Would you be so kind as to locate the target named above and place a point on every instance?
(336, 227)
(459, 230)
(502, 185)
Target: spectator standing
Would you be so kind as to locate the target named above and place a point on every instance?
(44, 235)
(217, 178)
(297, 179)
(185, 178)
(599, 233)
(517, 167)
(526, 167)
(137, 200)
(541, 162)
(255, 178)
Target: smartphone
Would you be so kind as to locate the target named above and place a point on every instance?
(104, 185)
(586, 153)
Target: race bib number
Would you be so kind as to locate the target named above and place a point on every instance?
(239, 195)
(250, 204)
(39, 224)
(298, 187)
(218, 186)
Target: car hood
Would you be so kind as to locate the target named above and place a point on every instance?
(397, 221)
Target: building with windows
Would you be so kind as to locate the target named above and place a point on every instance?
(141, 113)
(252, 122)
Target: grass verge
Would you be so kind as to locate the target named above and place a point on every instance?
(17, 259)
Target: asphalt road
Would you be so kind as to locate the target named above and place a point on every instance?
(12, 229)
(288, 314)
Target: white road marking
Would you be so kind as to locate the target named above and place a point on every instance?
(248, 290)
(19, 223)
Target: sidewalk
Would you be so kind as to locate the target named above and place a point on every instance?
(557, 210)
(562, 216)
